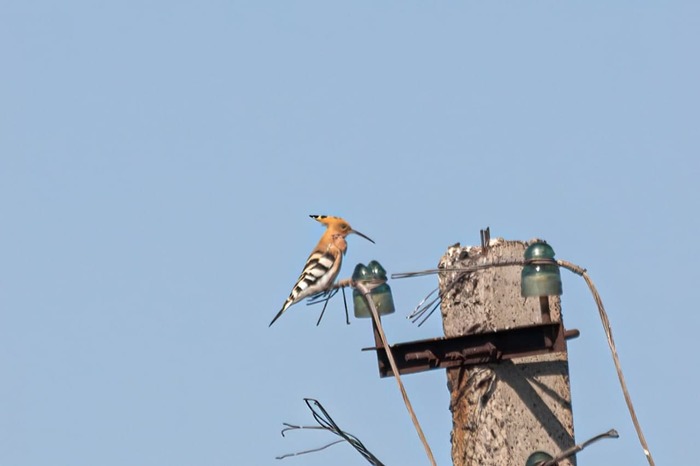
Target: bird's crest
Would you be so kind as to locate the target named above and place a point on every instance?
(331, 221)
(338, 225)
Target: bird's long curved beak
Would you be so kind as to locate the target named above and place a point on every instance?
(364, 236)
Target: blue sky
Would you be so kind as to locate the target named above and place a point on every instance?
(158, 162)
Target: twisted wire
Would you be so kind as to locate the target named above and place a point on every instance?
(326, 422)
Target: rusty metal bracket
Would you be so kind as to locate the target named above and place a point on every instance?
(473, 349)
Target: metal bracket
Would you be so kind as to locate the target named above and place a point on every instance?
(473, 349)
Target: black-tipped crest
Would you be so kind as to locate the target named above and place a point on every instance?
(339, 224)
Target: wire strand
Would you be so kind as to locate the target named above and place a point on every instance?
(326, 422)
(365, 289)
(613, 350)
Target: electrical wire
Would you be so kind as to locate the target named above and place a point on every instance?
(326, 422)
(613, 350)
(365, 288)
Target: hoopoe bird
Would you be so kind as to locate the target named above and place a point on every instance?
(324, 262)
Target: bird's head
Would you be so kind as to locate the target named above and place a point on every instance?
(338, 226)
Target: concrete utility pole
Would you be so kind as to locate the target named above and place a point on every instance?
(503, 412)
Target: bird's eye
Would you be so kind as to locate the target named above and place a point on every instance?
(344, 226)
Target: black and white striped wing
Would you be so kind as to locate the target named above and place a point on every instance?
(319, 272)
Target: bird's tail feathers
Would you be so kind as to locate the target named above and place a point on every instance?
(287, 303)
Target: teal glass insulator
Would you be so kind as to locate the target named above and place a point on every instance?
(538, 457)
(381, 295)
(540, 275)
(361, 273)
(376, 270)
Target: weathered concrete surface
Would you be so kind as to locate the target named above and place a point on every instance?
(502, 412)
